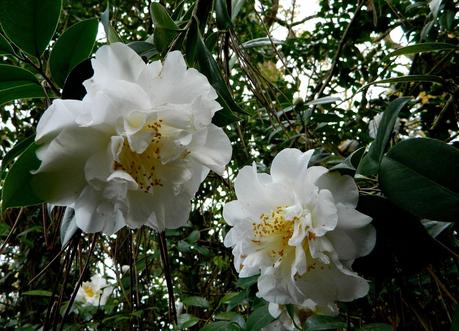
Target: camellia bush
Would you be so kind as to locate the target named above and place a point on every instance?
(229, 165)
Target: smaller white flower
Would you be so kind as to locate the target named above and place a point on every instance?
(94, 292)
(125, 268)
(374, 125)
(298, 227)
(179, 307)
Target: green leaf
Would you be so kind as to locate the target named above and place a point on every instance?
(18, 83)
(349, 164)
(370, 162)
(165, 27)
(259, 318)
(423, 47)
(221, 326)
(231, 316)
(72, 47)
(186, 321)
(376, 327)
(191, 40)
(323, 322)
(40, 293)
(236, 6)
(196, 301)
(193, 236)
(420, 176)
(246, 282)
(455, 321)
(110, 32)
(14, 152)
(5, 47)
(222, 17)
(30, 24)
(17, 191)
(260, 42)
(209, 68)
(408, 79)
(144, 49)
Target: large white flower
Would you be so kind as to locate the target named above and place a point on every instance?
(136, 148)
(94, 292)
(299, 228)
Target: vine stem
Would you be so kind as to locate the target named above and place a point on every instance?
(167, 275)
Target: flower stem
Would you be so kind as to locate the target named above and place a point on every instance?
(167, 275)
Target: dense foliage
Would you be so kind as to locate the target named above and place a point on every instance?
(316, 87)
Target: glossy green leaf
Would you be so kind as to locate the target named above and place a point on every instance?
(423, 47)
(193, 236)
(231, 316)
(14, 152)
(30, 24)
(186, 321)
(5, 47)
(221, 326)
(236, 6)
(370, 162)
(17, 191)
(420, 176)
(246, 282)
(110, 32)
(210, 69)
(323, 322)
(72, 47)
(196, 301)
(259, 318)
(18, 83)
(349, 165)
(191, 41)
(165, 27)
(222, 16)
(144, 49)
(260, 42)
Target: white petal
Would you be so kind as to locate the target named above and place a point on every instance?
(290, 166)
(60, 177)
(61, 114)
(233, 213)
(117, 61)
(214, 148)
(349, 218)
(343, 188)
(325, 214)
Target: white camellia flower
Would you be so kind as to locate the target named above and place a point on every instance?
(299, 229)
(94, 292)
(136, 148)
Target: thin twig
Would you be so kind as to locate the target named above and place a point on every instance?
(80, 280)
(12, 230)
(167, 275)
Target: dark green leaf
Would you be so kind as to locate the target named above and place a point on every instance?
(209, 68)
(196, 301)
(231, 316)
(349, 164)
(110, 32)
(409, 79)
(246, 282)
(186, 321)
(222, 16)
(72, 47)
(144, 49)
(14, 152)
(193, 236)
(323, 322)
(5, 47)
(455, 321)
(40, 293)
(221, 326)
(370, 162)
(259, 318)
(420, 176)
(18, 83)
(191, 41)
(30, 24)
(165, 27)
(17, 191)
(236, 6)
(73, 87)
(424, 47)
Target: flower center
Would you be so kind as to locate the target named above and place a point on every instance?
(143, 166)
(273, 232)
(89, 291)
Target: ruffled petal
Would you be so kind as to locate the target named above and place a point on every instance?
(343, 188)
